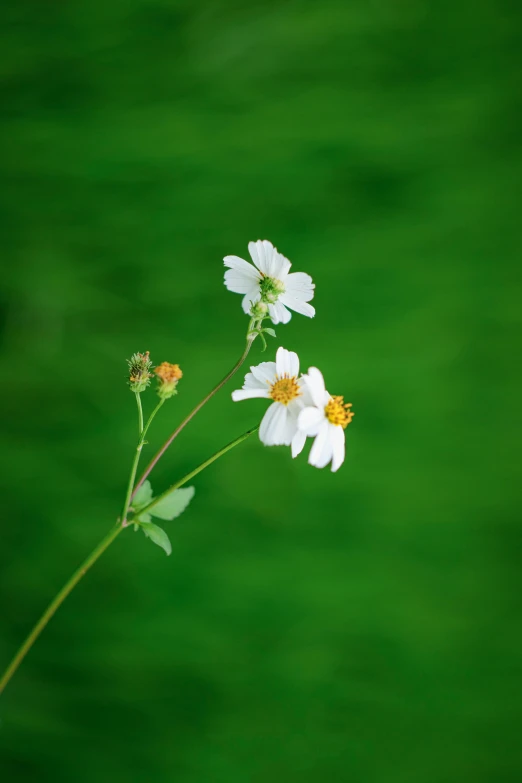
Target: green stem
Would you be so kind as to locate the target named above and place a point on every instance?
(134, 468)
(251, 335)
(93, 557)
(140, 413)
(56, 603)
(99, 550)
(201, 467)
(109, 538)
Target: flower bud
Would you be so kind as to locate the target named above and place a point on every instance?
(168, 377)
(270, 289)
(259, 310)
(140, 374)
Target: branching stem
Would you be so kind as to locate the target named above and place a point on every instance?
(251, 335)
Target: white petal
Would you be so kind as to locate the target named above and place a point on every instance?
(321, 451)
(265, 373)
(252, 249)
(294, 409)
(315, 383)
(278, 313)
(337, 440)
(297, 405)
(299, 305)
(291, 427)
(310, 420)
(281, 267)
(287, 363)
(238, 282)
(326, 456)
(262, 253)
(272, 259)
(266, 422)
(252, 382)
(300, 286)
(274, 430)
(242, 266)
(253, 296)
(298, 442)
(248, 394)
(305, 398)
(265, 252)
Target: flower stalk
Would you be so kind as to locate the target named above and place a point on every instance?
(251, 336)
(137, 455)
(57, 602)
(99, 550)
(201, 467)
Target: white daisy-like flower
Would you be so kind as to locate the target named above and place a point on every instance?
(269, 281)
(325, 420)
(278, 381)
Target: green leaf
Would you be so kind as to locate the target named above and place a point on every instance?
(174, 504)
(157, 535)
(269, 331)
(143, 496)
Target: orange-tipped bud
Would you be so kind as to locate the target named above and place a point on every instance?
(168, 377)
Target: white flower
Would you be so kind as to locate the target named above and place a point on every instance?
(269, 281)
(278, 381)
(326, 419)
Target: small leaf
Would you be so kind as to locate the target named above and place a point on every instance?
(174, 504)
(157, 535)
(143, 496)
(139, 518)
(269, 331)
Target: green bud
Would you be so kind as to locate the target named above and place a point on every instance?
(140, 374)
(259, 310)
(271, 289)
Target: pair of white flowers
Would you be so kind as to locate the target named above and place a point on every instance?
(301, 407)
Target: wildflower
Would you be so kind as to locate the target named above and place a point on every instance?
(140, 374)
(269, 282)
(168, 377)
(277, 381)
(326, 420)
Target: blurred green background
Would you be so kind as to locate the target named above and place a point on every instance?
(360, 627)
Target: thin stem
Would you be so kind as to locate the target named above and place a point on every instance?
(56, 603)
(250, 339)
(149, 420)
(109, 538)
(201, 467)
(134, 468)
(140, 413)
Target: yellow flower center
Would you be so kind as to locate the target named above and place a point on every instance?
(338, 412)
(285, 390)
(168, 372)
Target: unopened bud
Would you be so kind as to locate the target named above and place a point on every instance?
(168, 377)
(271, 289)
(259, 310)
(140, 374)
